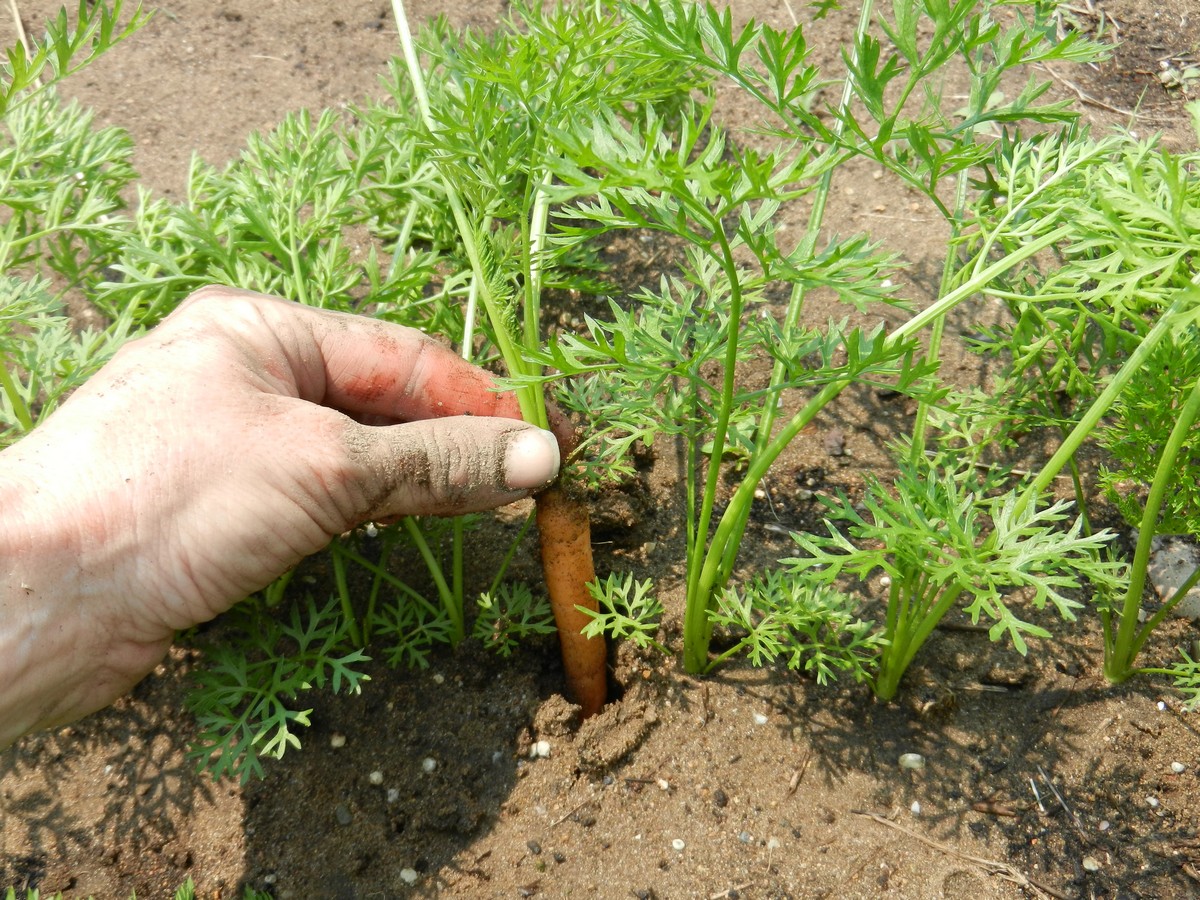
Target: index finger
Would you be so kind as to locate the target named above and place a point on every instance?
(362, 366)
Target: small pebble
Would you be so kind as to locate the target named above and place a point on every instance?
(885, 581)
(534, 847)
(663, 784)
(1105, 825)
(677, 845)
(428, 765)
(916, 807)
(1152, 802)
(1161, 706)
(342, 813)
(1090, 864)
(745, 837)
(540, 750)
(375, 777)
(912, 761)
(337, 741)
(409, 876)
(393, 795)
(439, 678)
(1178, 768)
(760, 719)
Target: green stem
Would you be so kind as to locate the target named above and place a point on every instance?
(791, 318)
(899, 654)
(529, 396)
(384, 575)
(1102, 403)
(454, 608)
(933, 352)
(697, 627)
(343, 589)
(701, 590)
(1129, 639)
(512, 551)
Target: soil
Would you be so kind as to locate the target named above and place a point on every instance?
(1040, 779)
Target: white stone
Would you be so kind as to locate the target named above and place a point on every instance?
(912, 761)
(428, 765)
(409, 876)
(1172, 560)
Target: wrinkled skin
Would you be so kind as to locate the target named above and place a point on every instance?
(206, 459)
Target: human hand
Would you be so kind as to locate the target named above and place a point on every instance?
(207, 458)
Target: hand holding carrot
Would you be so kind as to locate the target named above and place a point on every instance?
(207, 458)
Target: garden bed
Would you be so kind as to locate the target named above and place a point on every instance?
(473, 778)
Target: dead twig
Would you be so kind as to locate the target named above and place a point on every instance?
(989, 866)
(1075, 820)
(570, 812)
(20, 26)
(1088, 100)
(798, 774)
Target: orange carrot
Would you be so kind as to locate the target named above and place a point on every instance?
(565, 534)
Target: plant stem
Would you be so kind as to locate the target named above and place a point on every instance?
(529, 396)
(1066, 450)
(697, 627)
(1129, 639)
(795, 308)
(343, 589)
(452, 604)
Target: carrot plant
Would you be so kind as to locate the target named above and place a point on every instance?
(1100, 349)
(497, 116)
(686, 178)
(60, 191)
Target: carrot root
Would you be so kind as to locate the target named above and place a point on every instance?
(565, 535)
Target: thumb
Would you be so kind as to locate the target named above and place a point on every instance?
(451, 466)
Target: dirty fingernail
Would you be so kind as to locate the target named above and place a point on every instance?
(531, 460)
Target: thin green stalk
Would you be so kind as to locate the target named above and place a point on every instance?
(529, 396)
(1167, 607)
(538, 220)
(1129, 639)
(343, 589)
(452, 605)
(695, 616)
(384, 575)
(1108, 396)
(899, 653)
(795, 309)
(697, 627)
(512, 551)
(933, 352)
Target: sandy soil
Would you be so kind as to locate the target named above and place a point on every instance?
(752, 783)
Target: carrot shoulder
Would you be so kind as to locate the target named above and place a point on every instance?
(565, 535)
